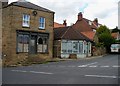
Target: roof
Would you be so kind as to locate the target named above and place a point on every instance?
(82, 25)
(56, 25)
(89, 34)
(29, 5)
(68, 33)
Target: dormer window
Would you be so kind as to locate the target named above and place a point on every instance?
(94, 30)
(42, 23)
(26, 20)
(90, 23)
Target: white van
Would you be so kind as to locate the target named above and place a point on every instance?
(115, 48)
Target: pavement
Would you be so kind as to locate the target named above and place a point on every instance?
(98, 70)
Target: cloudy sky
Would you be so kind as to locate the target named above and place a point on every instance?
(105, 10)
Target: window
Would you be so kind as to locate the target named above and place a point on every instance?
(69, 46)
(42, 23)
(90, 23)
(23, 41)
(26, 20)
(81, 47)
(64, 47)
(75, 47)
(42, 45)
(94, 30)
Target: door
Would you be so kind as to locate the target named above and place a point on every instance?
(33, 45)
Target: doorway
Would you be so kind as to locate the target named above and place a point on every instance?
(33, 44)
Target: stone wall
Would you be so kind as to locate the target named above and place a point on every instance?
(57, 48)
(99, 51)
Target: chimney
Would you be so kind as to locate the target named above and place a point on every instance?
(64, 23)
(80, 16)
(4, 3)
(96, 21)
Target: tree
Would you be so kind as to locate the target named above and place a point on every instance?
(105, 37)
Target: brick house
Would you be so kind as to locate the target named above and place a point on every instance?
(116, 35)
(82, 33)
(27, 32)
(84, 25)
(68, 42)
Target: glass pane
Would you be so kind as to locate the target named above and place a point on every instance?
(25, 47)
(44, 48)
(64, 47)
(42, 22)
(39, 48)
(20, 47)
(81, 47)
(26, 42)
(26, 19)
(20, 43)
(75, 47)
(69, 46)
(40, 41)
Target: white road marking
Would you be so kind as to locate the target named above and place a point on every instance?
(115, 66)
(87, 64)
(82, 66)
(19, 71)
(31, 72)
(105, 66)
(93, 66)
(101, 76)
(40, 72)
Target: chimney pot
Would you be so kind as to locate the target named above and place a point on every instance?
(96, 21)
(64, 22)
(80, 16)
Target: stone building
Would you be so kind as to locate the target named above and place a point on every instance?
(27, 32)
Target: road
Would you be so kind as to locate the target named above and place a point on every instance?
(101, 70)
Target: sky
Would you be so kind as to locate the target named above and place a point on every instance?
(105, 10)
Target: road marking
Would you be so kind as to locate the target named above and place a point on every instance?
(105, 66)
(31, 72)
(40, 72)
(88, 64)
(115, 66)
(101, 76)
(19, 71)
(82, 66)
(93, 66)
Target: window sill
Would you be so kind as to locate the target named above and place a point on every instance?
(41, 28)
(42, 53)
(36, 53)
(25, 26)
(21, 52)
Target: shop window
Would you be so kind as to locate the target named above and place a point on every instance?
(75, 47)
(81, 47)
(42, 45)
(23, 41)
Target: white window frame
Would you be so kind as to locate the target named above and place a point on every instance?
(26, 20)
(42, 24)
